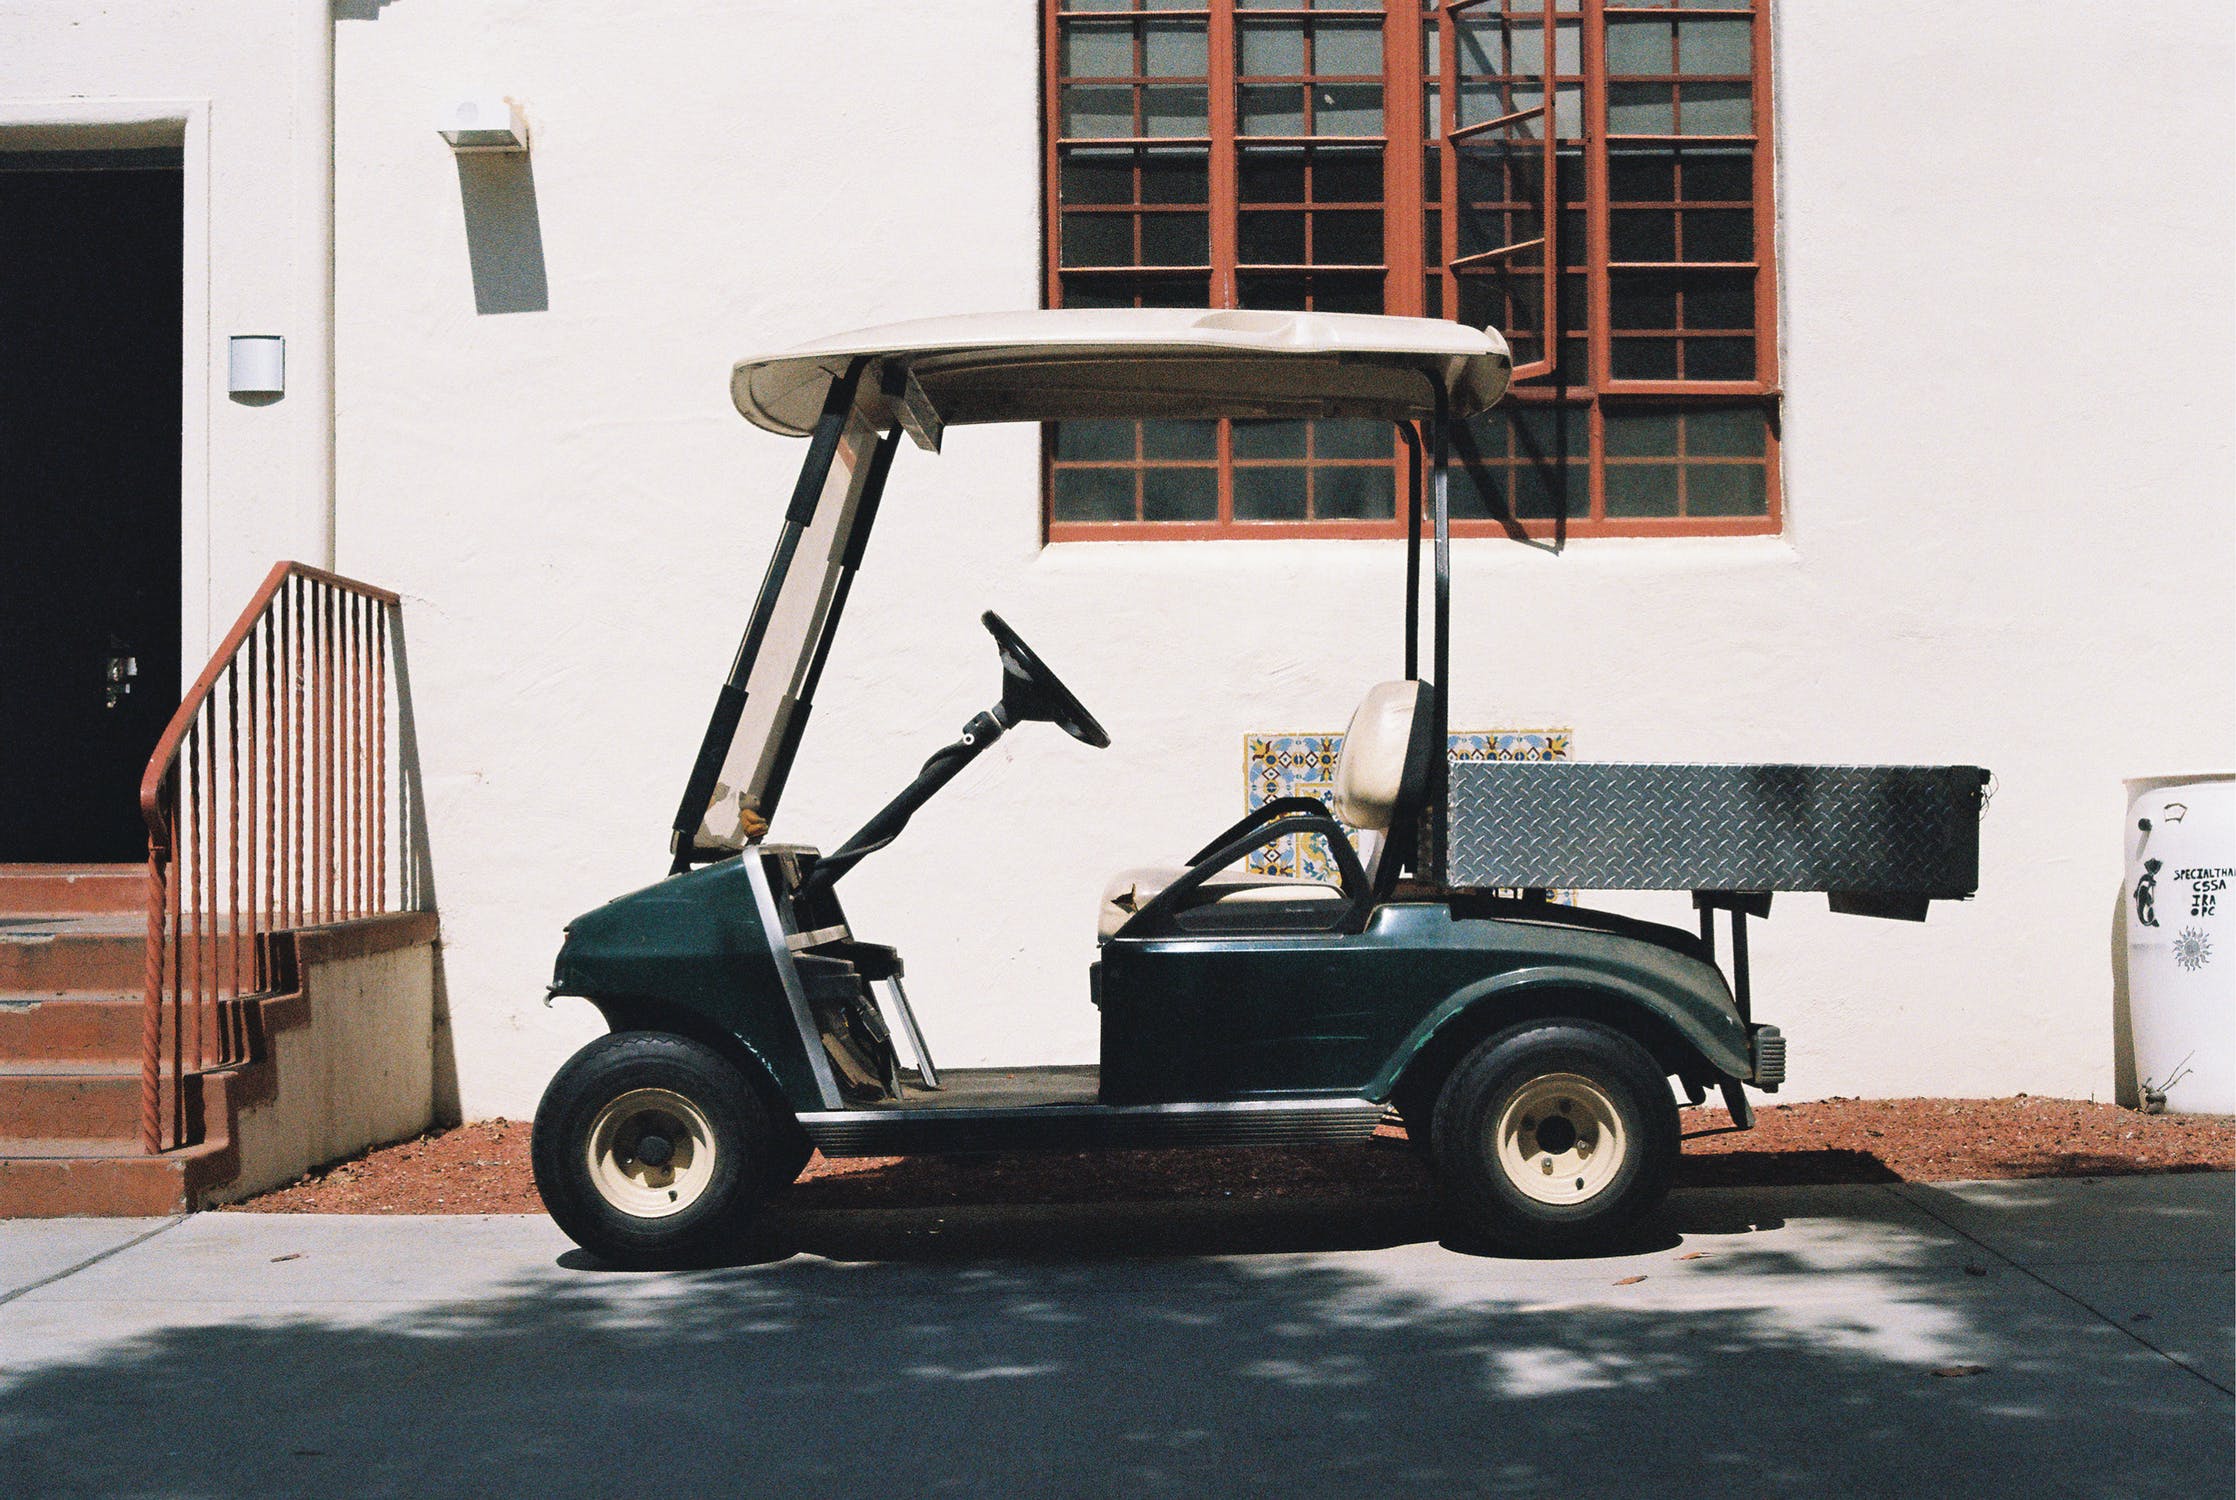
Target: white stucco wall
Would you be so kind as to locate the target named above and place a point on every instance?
(2006, 242)
(238, 88)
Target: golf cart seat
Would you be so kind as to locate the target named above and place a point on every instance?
(1381, 776)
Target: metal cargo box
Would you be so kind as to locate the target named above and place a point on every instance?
(1878, 835)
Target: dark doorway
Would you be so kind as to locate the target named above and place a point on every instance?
(91, 276)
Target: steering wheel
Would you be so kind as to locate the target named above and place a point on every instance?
(1031, 691)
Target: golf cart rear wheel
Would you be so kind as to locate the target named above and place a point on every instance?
(652, 1149)
(1555, 1135)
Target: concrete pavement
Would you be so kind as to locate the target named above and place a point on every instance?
(1781, 1342)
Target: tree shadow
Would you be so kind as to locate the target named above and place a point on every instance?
(1255, 1366)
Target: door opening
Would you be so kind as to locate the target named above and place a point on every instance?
(91, 282)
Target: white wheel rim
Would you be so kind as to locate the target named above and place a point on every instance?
(624, 1128)
(1560, 1139)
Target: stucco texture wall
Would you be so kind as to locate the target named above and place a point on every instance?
(2008, 479)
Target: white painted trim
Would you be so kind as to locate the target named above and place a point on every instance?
(95, 123)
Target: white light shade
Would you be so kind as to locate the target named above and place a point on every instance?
(256, 365)
(485, 122)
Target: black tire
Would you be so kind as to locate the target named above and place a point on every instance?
(718, 1141)
(1608, 1134)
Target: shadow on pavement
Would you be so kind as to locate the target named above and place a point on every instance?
(1258, 1356)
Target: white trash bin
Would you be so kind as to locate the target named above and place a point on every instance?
(2181, 940)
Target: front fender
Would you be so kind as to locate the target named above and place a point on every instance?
(693, 953)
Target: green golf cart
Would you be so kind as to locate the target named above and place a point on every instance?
(1535, 1050)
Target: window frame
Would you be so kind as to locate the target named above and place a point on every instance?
(1408, 265)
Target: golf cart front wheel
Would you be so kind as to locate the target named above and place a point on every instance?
(652, 1149)
(1555, 1135)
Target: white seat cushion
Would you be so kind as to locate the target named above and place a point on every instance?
(1130, 890)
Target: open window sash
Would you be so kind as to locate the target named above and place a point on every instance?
(1498, 63)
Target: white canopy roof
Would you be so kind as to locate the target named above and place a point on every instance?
(1073, 363)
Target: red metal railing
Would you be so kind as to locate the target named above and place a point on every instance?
(272, 802)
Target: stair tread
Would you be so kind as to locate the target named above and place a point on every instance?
(70, 1148)
(34, 926)
(15, 1068)
(19, 1001)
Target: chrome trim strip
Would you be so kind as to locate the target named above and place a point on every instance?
(1250, 1122)
(772, 930)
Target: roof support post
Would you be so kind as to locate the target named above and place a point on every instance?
(1440, 688)
(1412, 436)
(729, 704)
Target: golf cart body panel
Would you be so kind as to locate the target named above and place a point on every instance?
(1346, 1013)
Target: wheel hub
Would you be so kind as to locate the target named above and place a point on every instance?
(651, 1153)
(1560, 1139)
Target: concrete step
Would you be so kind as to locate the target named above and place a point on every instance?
(70, 1028)
(48, 1100)
(79, 954)
(26, 888)
(55, 1178)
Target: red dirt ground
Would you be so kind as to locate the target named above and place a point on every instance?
(482, 1168)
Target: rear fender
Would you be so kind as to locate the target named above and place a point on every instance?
(1691, 1028)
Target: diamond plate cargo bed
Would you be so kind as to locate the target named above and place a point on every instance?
(1879, 839)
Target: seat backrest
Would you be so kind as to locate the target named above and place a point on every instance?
(1383, 771)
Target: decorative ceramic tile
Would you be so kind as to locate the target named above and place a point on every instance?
(1303, 765)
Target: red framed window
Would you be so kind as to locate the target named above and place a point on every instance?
(1593, 178)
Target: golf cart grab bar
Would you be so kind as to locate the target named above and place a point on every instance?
(1357, 888)
(1279, 807)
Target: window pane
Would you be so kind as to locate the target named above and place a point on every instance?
(1168, 177)
(1093, 495)
(1099, 442)
(1726, 432)
(1360, 293)
(1347, 176)
(1550, 434)
(1094, 50)
(1352, 439)
(1717, 108)
(1720, 299)
(1642, 108)
(1354, 493)
(1169, 109)
(1137, 291)
(1641, 434)
(1639, 44)
(1641, 299)
(1726, 490)
(1715, 46)
(1642, 234)
(1269, 439)
(1098, 239)
(1272, 109)
(1175, 239)
(1175, 439)
(1269, 494)
(1641, 489)
(1645, 359)
(1347, 238)
(1719, 234)
(1636, 176)
(1174, 49)
(1098, 177)
(1272, 175)
(1097, 110)
(1272, 49)
(1272, 239)
(1719, 359)
(1552, 487)
(1478, 493)
(1347, 109)
(1347, 51)
(1719, 176)
(1180, 494)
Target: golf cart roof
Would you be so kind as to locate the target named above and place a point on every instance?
(1079, 363)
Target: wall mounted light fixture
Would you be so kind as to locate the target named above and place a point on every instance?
(256, 365)
(485, 122)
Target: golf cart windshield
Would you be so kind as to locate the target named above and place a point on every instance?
(854, 395)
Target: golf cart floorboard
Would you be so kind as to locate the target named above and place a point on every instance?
(1021, 1109)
